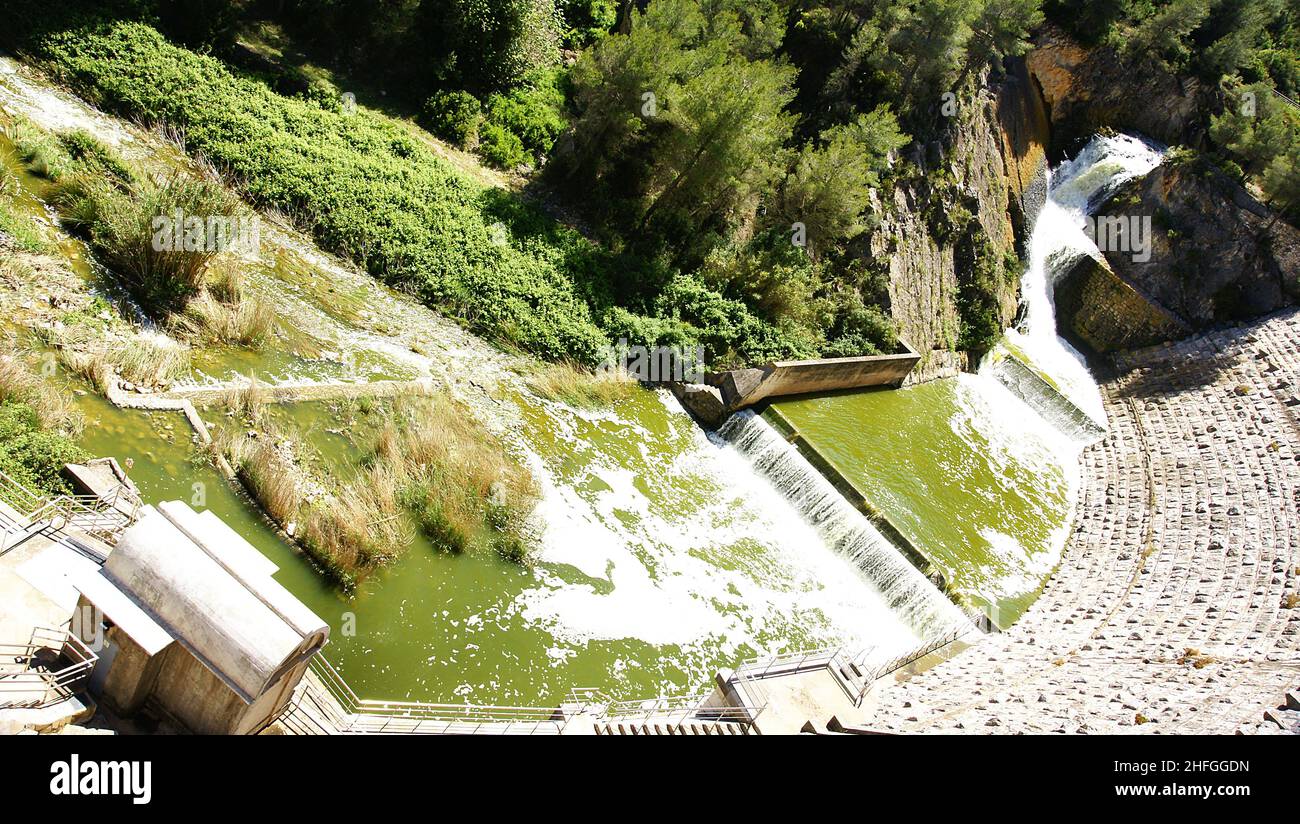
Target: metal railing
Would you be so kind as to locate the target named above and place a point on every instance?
(340, 710)
(104, 516)
(679, 711)
(749, 675)
(360, 715)
(27, 672)
(898, 662)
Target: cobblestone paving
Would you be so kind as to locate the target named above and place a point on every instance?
(1175, 608)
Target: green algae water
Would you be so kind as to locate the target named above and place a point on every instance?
(616, 599)
(660, 558)
(986, 502)
(663, 553)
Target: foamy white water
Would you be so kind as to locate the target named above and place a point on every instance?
(744, 567)
(842, 528)
(766, 559)
(1076, 189)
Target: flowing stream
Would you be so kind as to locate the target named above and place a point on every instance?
(662, 556)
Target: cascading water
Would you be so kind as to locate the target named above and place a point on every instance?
(1076, 189)
(979, 473)
(663, 556)
(847, 531)
(660, 557)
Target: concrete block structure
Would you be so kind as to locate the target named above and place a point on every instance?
(190, 624)
(726, 392)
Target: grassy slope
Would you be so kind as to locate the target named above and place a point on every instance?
(369, 191)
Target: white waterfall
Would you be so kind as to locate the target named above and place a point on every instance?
(1076, 189)
(848, 532)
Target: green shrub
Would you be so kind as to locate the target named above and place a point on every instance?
(322, 91)
(640, 330)
(587, 20)
(980, 278)
(534, 113)
(366, 191)
(861, 329)
(82, 146)
(31, 455)
(122, 224)
(453, 116)
(501, 147)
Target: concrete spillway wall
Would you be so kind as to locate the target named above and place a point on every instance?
(746, 387)
(859, 501)
(723, 393)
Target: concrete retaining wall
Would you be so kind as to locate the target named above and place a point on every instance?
(820, 376)
(1103, 311)
(726, 392)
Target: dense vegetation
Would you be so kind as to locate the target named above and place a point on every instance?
(37, 429)
(1250, 49)
(697, 242)
(196, 292)
(721, 154)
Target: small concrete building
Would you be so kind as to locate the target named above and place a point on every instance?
(191, 625)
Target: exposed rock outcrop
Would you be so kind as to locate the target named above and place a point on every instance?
(993, 166)
(1092, 89)
(1025, 129)
(1217, 254)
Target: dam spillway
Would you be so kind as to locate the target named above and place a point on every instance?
(847, 531)
(664, 555)
(979, 473)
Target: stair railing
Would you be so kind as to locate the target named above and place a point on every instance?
(29, 686)
(103, 516)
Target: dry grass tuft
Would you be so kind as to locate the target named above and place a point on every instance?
(143, 358)
(271, 478)
(91, 366)
(118, 219)
(224, 312)
(152, 360)
(1196, 659)
(578, 387)
(431, 467)
(463, 489)
(54, 409)
(360, 528)
(247, 399)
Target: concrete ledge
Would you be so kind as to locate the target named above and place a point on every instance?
(738, 389)
(307, 391)
(1106, 313)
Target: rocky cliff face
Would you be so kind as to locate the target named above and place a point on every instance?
(1216, 253)
(1088, 90)
(992, 169)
